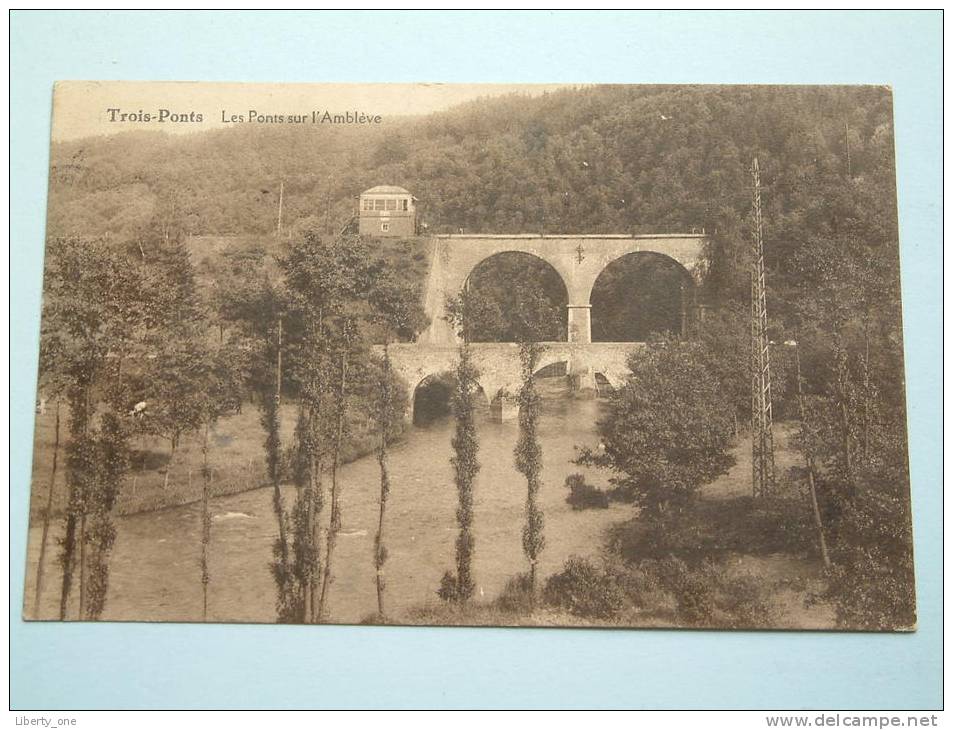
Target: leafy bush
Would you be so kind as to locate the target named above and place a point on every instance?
(583, 495)
(452, 591)
(585, 589)
(694, 595)
(641, 587)
(717, 528)
(709, 596)
(517, 595)
(871, 584)
(666, 431)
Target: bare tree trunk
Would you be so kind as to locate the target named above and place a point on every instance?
(335, 524)
(312, 527)
(818, 523)
(866, 433)
(842, 376)
(306, 589)
(168, 468)
(46, 518)
(82, 566)
(311, 589)
(206, 522)
(69, 557)
(380, 553)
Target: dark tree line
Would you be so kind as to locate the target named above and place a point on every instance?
(131, 346)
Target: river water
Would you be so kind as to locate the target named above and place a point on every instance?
(154, 573)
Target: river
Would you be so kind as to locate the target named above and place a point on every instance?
(154, 569)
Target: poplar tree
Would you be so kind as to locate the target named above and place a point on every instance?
(344, 342)
(532, 321)
(219, 375)
(177, 326)
(89, 320)
(100, 533)
(458, 586)
(396, 309)
(529, 457)
(324, 282)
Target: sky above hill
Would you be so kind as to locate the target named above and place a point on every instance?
(88, 108)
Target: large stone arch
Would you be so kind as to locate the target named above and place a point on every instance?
(459, 280)
(687, 275)
(551, 265)
(577, 259)
(688, 279)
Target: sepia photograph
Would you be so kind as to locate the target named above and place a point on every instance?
(564, 355)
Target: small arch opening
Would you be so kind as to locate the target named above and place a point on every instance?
(433, 398)
(552, 381)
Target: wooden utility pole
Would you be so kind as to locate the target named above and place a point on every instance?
(276, 469)
(847, 145)
(762, 427)
(278, 367)
(281, 200)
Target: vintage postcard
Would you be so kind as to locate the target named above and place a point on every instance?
(564, 355)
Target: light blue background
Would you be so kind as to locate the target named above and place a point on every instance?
(190, 666)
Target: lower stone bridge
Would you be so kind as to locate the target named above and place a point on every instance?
(499, 363)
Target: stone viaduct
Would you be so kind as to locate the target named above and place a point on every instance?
(579, 260)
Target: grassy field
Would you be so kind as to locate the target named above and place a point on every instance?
(744, 563)
(154, 482)
(752, 560)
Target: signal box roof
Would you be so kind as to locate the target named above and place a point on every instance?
(386, 189)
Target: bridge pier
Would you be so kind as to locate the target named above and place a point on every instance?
(579, 323)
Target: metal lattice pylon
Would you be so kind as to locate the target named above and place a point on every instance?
(762, 431)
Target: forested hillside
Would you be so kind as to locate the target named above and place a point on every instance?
(170, 298)
(623, 159)
(607, 159)
(620, 159)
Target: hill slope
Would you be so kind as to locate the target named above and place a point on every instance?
(599, 159)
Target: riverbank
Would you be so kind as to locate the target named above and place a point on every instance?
(157, 480)
(155, 570)
(729, 561)
(762, 569)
